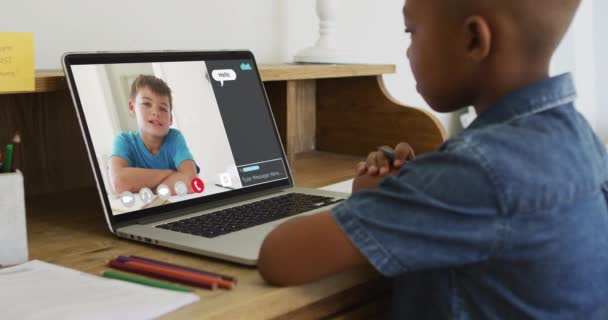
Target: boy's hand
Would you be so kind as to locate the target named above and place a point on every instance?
(366, 181)
(185, 173)
(378, 164)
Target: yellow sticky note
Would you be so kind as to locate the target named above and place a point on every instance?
(17, 61)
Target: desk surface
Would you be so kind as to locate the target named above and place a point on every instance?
(69, 229)
(54, 80)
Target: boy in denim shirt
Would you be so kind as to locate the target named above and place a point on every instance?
(508, 220)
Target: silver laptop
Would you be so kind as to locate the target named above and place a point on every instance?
(185, 150)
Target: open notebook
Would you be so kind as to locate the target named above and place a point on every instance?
(40, 290)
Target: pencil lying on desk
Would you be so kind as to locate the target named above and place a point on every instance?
(170, 265)
(146, 270)
(171, 272)
(146, 282)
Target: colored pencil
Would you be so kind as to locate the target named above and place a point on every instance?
(146, 282)
(179, 273)
(170, 265)
(163, 275)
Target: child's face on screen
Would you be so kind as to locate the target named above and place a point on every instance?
(152, 112)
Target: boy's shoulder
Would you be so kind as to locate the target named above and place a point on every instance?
(174, 132)
(542, 159)
(126, 137)
(173, 135)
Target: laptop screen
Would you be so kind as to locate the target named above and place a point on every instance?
(164, 131)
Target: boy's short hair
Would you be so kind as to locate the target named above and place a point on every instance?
(153, 83)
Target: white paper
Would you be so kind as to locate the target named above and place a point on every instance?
(344, 186)
(39, 290)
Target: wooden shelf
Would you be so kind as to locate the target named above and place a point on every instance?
(54, 80)
(46, 81)
(281, 72)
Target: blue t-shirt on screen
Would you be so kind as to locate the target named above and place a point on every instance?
(130, 146)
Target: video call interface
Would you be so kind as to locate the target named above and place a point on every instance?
(173, 131)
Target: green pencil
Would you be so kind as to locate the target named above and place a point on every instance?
(8, 158)
(147, 282)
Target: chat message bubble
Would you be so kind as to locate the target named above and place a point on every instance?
(223, 75)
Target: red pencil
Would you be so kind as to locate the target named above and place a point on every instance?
(154, 273)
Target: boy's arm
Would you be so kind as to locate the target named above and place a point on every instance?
(125, 178)
(305, 249)
(185, 172)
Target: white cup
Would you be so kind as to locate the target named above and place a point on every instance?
(13, 234)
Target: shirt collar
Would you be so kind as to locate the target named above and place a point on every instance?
(533, 98)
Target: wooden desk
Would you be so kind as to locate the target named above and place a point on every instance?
(328, 117)
(69, 230)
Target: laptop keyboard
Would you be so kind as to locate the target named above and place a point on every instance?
(249, 215)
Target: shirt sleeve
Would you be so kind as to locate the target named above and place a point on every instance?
(122, 148)
(181, 151)
(439, 211)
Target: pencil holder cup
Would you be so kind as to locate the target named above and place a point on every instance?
(13, 235)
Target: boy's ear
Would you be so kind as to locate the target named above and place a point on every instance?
(131, 107)
(479, 38)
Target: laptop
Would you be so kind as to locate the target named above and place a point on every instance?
(185, 151)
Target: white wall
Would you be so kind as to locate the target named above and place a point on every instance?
(576, 54)
(601, 63)
(91, 82)
(76, 25)
(119, 78)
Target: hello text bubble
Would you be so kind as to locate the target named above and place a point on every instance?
(223, 75)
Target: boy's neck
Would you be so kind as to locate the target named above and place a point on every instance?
(507, 78)
(152, 143)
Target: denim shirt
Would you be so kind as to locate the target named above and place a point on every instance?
(508, 220)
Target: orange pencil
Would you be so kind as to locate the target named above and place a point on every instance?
(179, 273)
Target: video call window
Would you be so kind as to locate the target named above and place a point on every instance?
(159, 136)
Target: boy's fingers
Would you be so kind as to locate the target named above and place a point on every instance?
(384, 163)
(372, 163)
(361, 168)
(403, 153)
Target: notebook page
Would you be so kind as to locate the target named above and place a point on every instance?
(40, 290)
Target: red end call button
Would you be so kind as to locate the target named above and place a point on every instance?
(197, 185)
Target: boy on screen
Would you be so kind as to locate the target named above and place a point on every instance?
(155, 154)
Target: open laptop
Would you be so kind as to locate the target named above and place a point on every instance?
(243, 187)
